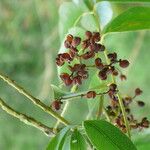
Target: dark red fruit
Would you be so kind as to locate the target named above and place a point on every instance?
(88, 34)
(123, 63)
(138, 91)
(140, 103)
(76, 41)
(113, 87)
(91, 94)
(56, 105)
(69, 38)
(66, 79)
(123, 77)
(96, 36)
(102, 75)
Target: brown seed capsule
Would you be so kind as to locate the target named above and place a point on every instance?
(67, 44)
(96, 36)
(66, 56)
(66, 79)
(84, 44)
(123, 77)
(59, 62)
(102, 48)
(98, 63)
(102, 75)
(123, 63)
(140, 103)
(69, 38)
(115, 72)
(88, 55)
(91, 94)
(88, 34)
(113, 87)
(77, 80)
(56, 105)
(145, 123)
(76, 41)
(112, 56)
(98, 48)
(138, 91)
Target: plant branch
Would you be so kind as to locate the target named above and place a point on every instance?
(36, 101)
(26, 119)
(73, 89)
(114, 81)
(120, 100)
(106, 115)
(100, 108)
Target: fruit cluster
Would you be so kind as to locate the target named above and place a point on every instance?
(90, 46)
(88, 49)
(116, 116)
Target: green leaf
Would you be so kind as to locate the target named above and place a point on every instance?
(66, 145)
(58, 92)
(77, 141)
(105, 136)
(56, 141)
(122, 1)
(136, 18)
(68, 13)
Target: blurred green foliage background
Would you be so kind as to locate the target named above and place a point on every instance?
(29, 43)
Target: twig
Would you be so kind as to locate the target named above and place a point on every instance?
(120, 100)
(26, 119)
(100, 108)
(36, 101)
(73, 89)
(106, 115)
(114, 81)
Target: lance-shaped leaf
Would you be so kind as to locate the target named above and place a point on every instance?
(77, 141)
(55, 142)
(136, 18)
(104, 135)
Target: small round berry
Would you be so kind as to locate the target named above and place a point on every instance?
(102, 48)
(115, 72)
(88, 34)
(98, 63)
(67, 44)
(138, 91)
(69, 38)
(91, 94)
(59, 62)
(113, 87)
(102, 75)
(123, 77)
(76, 41)
(56, 105)
(77, 80)
(112, 56)
(96, 36)
(66, 79)
(123, 63)
(88, 55)
(85, 44)
(140, 103)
